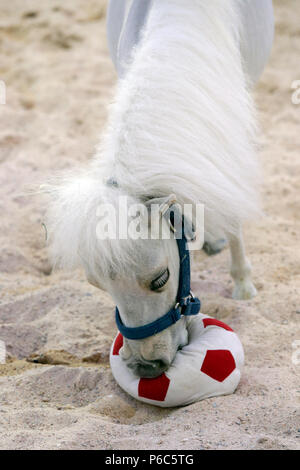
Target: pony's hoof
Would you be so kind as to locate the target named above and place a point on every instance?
(213, 248)
(244, 290)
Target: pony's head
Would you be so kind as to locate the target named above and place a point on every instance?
(86, 223)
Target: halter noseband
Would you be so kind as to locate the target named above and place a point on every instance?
(186, 303)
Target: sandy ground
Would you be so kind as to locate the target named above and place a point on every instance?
(56, 389)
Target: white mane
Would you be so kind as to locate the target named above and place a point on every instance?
(182, 122)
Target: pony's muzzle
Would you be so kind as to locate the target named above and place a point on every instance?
(149, 369)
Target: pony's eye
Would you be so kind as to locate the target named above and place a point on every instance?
(161, 280)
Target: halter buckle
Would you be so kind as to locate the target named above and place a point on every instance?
(186, 301)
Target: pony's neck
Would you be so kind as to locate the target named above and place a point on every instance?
(182, 116)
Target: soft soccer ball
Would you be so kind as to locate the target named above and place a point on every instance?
(208, 366)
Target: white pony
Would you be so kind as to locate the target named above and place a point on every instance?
(182, 123)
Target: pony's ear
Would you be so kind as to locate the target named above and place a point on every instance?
(172, 211)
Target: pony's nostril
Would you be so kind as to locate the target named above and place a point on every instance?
(151, 369)
(161, 365)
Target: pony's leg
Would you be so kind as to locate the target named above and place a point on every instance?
(213, 246)
(240, 269)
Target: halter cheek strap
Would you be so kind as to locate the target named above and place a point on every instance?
(186, 303)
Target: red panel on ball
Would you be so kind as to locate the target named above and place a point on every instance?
(213, 321)
(154, 389)
(118, 344)
(218, 364)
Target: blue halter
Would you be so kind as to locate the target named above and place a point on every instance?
(186, 303)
